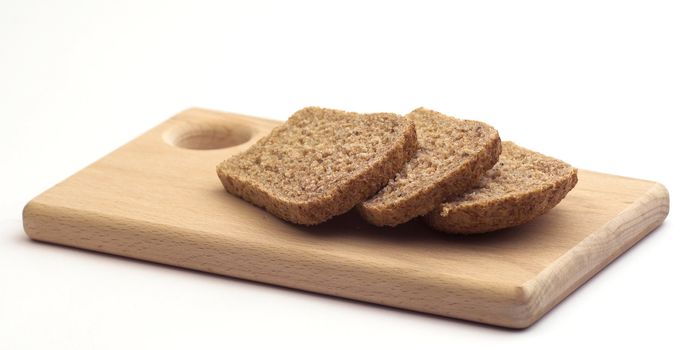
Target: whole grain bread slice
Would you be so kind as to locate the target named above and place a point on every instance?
(523, 185)
(320, 163)
(453, 155)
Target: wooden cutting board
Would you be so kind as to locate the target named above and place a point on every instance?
(158, 199)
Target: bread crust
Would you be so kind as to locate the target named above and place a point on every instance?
(507, 210)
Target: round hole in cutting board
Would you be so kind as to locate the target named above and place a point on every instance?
(207, 136)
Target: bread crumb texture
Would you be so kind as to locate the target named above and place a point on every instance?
(521, 186)
(452, 156)
(320, 163)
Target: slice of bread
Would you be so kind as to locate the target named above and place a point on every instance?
(320, 163)
(523, 185)
(453, 155)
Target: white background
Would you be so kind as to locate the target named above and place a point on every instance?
(594, 83)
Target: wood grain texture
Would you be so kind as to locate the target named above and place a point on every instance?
(157, 198)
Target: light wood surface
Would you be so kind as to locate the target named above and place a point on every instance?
(158, 198)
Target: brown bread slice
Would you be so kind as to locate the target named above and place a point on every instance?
(523, 185)
(320, 163)
(453, 155)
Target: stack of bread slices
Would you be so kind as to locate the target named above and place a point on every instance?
(456, 174)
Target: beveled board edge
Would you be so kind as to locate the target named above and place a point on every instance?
(337, 275)
(315, 271)
(591, 255)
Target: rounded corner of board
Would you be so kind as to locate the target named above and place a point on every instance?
(28, 214)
